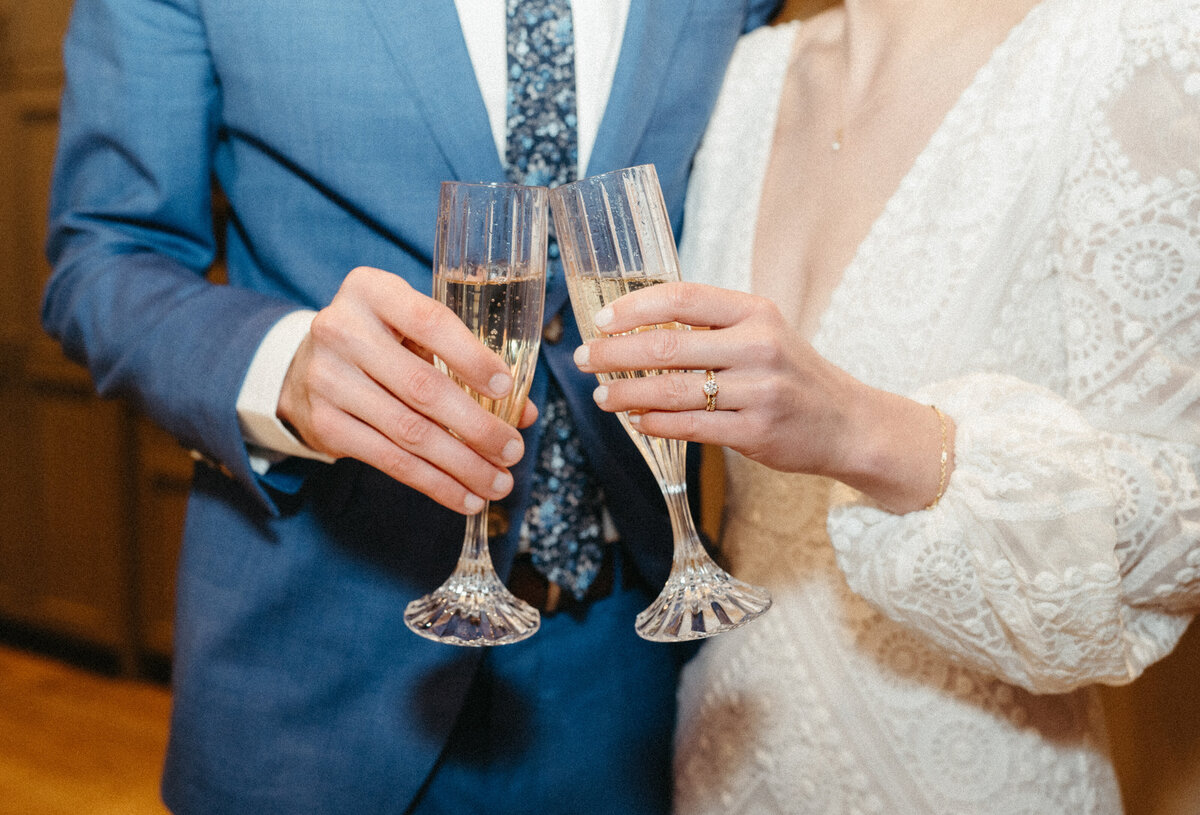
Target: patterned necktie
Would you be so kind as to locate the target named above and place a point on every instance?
(562, 527)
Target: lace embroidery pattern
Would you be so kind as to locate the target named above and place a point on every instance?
(1052, 273)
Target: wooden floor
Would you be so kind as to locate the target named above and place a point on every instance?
(76, 743)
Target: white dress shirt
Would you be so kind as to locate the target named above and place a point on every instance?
(599, 30)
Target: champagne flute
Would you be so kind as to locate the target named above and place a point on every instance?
(616, 238)
(490, 269)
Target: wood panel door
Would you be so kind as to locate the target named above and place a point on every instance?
(91, 532)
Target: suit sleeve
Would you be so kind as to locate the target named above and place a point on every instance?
(760, 12)
(131, 230)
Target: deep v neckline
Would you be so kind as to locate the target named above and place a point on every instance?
(910, 181)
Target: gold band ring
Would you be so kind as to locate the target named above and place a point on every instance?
(710, 391)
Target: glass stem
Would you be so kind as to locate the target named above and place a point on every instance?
(689, 551)
(475, 558)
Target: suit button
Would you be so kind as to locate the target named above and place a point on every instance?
(211, 463)
(497, 521)
(552, 333)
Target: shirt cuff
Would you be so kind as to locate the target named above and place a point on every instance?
(267, 438)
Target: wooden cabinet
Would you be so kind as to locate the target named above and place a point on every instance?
(91, 496)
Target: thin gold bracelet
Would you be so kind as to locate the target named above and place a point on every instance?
(945, 459)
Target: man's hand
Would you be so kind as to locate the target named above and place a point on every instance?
(363, 384)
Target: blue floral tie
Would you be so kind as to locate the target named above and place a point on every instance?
(562, 528)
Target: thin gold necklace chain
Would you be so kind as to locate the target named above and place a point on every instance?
(865, 105)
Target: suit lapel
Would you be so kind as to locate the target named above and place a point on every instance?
(427, 46)
(650, 36)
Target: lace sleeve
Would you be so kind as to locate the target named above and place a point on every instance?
(1067, 547)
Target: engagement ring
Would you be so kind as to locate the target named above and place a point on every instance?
(710, 390)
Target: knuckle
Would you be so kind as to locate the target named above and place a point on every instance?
(357, 276)
(326, 329)
(664, 345)
(426, 318)
(411, 429)
(320, 378)
(321, 418)
(398, 464)
(482, 429)
(765, 309)
(367, 277)
(359, 279)
(760, 450)
(323, 426)
(776, 397)
(678, 392)
(763, 348)
(424, 387)
(689, 425)
(678, 296)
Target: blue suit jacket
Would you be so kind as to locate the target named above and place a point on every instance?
(329, 125)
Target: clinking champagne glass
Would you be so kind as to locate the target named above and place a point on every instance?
(490, 269)
(615, 238)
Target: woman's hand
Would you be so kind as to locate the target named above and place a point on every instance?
(363, 384)
(779, 402)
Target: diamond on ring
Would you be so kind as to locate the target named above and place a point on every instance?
(710, 390)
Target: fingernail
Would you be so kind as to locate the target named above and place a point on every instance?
(600, 394)
(603, 317)
(502, 482)
(581, 355)
(500, 384)
(473, 504)
(512, 452)
(635, 419)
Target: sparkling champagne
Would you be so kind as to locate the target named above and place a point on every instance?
(616, 237)
(503, 313)
(589, 294)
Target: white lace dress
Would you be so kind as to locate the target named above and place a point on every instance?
(1037, 276)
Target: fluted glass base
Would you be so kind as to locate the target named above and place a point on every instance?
(472, 610)
(700, 600)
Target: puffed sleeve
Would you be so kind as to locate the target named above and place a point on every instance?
(1066, 550)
